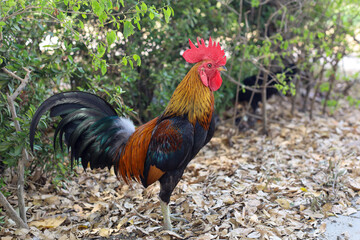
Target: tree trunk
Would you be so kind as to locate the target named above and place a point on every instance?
(263, 99)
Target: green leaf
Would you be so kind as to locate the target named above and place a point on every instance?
(167, 14)
(108, 5)
(103, 67)
(84, 16)
(255, 3)
(76, 36)
(102, 17)
(61, 16)
(137, 59)
(110, 37)
(4, 146)
(2, 23)
(131, 63)
(144, 7)
(122, 3)
(81, 69)
(128, 29)
(324, 87)
(285, 45)
(172, 11)
(81, 24)
(76, 8)
(320, 35)
(101, 50)
(124, 61)
(18, 149)
(97, 8)
(339, 56)
(71, 60)
(137, 9)
(151, 15)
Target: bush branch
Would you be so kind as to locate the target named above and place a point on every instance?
(10, 211)
(25, 155)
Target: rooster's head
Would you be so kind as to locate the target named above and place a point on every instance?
(211, 61)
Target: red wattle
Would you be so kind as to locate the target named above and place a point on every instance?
(215, 82)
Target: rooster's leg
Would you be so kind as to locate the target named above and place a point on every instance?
(166, 215)
(167, 184)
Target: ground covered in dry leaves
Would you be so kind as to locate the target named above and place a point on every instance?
(249, 186)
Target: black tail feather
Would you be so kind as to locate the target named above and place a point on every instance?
(62, 103)
(91, 127)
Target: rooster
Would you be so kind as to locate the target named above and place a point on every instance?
(158, 150)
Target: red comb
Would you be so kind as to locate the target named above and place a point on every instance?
(211, 52)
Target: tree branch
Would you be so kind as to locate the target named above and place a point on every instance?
(23, 81)
(11, 212)
(25, 155)
(231, 79)
(18, 13)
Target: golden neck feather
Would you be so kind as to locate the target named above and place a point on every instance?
(192, 98)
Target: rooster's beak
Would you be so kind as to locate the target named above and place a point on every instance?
(222, 68)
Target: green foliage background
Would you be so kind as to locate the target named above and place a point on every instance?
(130, 53)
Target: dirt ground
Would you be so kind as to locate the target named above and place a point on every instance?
(291, 184)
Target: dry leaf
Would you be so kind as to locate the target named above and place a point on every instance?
(239, 192)
(322, 227)
(354, 185)
(6, 238)
(254, 235)
(212, 218)
(198, 200)
(104, 232)
(284, 203)
(173, 234)
(350, 211)
(327, 207)
(48, 222)
(228, 200)
(22, 231)
(302, 207)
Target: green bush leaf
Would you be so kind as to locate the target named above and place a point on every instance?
(144, 7)
(128, 29)
(81, 24)
(103, 67)
(137, 59)
(124, 61)
(101, 50)
(96, 7)
(110, 37)
(151, 15)
(167, 14)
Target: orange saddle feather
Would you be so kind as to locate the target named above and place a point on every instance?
(132, 158)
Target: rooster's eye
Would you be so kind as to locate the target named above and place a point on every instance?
(209, 65)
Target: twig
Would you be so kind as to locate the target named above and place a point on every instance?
(146, 217)
(25, 155)
(264, 102)
(240, 71)
(18, 12)
(11, 212)
(231, 79)
(21, 86)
